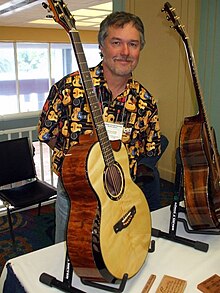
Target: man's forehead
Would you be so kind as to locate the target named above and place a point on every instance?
(115, 32)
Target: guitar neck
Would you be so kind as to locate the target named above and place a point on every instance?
(63, 16)
(194, 73)
(92, 99)
(196, 83)
(171, 16)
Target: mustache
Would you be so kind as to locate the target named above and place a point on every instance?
(127, 59)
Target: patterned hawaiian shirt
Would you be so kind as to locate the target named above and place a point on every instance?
(66, 116)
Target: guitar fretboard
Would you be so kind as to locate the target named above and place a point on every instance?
(92, 99)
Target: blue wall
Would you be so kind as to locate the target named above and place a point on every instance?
(118, 5)
(209, 60)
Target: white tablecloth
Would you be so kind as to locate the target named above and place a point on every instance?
(169, 258)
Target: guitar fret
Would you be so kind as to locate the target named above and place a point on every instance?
(82, 62)
(83, 73)
(81, 58)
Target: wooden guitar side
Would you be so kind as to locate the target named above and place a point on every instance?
(83, 206)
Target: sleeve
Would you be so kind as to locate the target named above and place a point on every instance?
(152, 143)
(48, 121)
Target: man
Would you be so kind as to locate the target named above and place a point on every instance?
(123, 101)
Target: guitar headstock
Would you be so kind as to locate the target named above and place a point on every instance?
(61, 14)
(171, 16)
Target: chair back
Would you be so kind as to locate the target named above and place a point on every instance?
(16, 161)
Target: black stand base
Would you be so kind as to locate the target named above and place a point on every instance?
(195, 244)
(185, 241)
(106, 287)
(171, 235)
(62, 286)
(65, 285)
(174, 218)
(204, 231)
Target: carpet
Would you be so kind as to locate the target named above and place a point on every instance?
(33, 232)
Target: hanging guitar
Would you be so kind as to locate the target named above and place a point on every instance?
(198, 149)
(109, 227)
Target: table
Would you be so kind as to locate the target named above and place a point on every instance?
(169, 258)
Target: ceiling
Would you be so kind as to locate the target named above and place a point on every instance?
(30, 13)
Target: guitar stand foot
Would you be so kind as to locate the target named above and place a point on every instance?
(106, 287)
(152, 246)
(62, 286)
(185, 241)
(202, 231)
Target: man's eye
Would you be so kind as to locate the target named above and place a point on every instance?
(116, 43)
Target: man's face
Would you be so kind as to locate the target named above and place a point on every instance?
(121, 50)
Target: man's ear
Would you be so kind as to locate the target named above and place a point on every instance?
(101, 50)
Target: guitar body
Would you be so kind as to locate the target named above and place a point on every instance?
(108, 233)
(202, 198)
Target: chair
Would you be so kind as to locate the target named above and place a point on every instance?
(19, 186)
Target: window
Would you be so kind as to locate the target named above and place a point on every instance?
(8, 87)
(33, 75)
(27, 71)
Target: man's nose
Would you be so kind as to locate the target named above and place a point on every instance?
(125, 49)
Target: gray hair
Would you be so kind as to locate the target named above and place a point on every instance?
(119, 19)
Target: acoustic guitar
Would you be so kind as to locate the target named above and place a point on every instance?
(109, 227)
(198, 150)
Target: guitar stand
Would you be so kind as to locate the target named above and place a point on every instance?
(204, 231)
(174, 218)
(171, 235)
(106, 287)
(66, 286)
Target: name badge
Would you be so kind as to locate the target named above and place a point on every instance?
(114, 130)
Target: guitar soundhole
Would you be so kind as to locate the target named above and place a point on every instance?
(114, 181)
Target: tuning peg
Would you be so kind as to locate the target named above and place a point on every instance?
(46, 6)
(49, 16)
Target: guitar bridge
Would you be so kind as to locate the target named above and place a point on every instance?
(125, 220)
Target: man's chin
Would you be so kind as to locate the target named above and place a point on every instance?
(124, 71)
